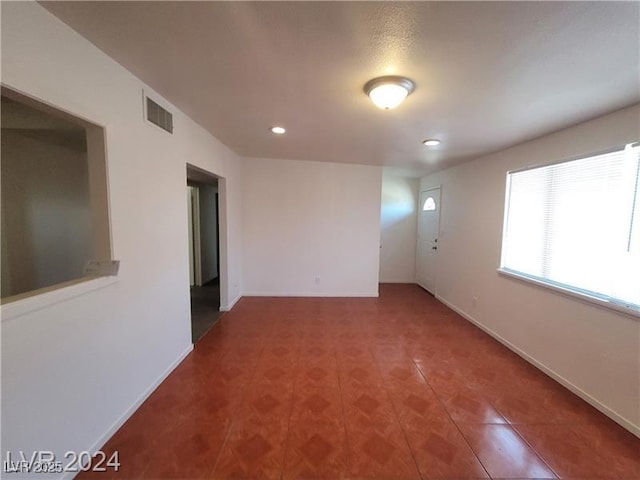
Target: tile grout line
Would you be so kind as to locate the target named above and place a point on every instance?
(293, 398)
(227, 434)
(534, 450)
(510, 424)
(450, 417)
(222, 447)
(234, 422)
(395, 411)
(344, 417)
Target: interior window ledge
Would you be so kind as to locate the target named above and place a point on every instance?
(19, 305)
(628, 310)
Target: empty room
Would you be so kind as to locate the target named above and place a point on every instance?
(320, 240)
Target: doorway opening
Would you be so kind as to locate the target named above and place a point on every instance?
(203, 200)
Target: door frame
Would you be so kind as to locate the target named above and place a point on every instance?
(194, 197)
(223, 257)
(436, 263)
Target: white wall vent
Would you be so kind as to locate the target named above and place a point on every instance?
(158, 115)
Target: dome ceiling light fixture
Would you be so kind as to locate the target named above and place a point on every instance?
(388, 92)
(278, 130)
(431, 142)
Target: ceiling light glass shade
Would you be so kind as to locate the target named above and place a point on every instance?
(388, 92)
(278, 130)
(432, 142)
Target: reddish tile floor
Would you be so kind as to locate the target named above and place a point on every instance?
(398, 387)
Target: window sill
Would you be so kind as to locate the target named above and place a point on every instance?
(630, 310)
(19, 305)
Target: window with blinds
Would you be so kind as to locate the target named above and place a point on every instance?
(576, 225)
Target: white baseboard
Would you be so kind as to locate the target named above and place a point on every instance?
(131, 410)
(226, 308)
(399, 281)
(313, 294)
(627, 424)
(229, 306)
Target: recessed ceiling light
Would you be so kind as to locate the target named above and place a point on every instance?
(432, 142)
(388, 92)
(278, 130)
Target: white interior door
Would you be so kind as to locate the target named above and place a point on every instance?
(428, 231)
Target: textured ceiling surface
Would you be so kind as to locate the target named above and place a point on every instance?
(488, 74)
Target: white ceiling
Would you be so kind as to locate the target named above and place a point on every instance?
(488, 74)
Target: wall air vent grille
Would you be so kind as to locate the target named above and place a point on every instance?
(159, 116)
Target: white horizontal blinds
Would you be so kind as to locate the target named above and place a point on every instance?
(628, 259)
(523, 248)
(573, 223)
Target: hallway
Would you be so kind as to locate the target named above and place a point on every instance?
(205, 308)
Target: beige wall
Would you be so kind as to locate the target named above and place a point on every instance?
(46, 234)
(311, 228)
(398, 228)
(595, 351)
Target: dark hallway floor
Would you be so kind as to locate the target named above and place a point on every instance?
(205, 308)
(396, 387)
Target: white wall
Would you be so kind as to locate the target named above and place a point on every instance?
(398, 224)
(310, 220)
(70, 371)
(596, 351)
(45, 208)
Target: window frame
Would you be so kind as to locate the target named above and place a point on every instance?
(433, 201)
(593, 298)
